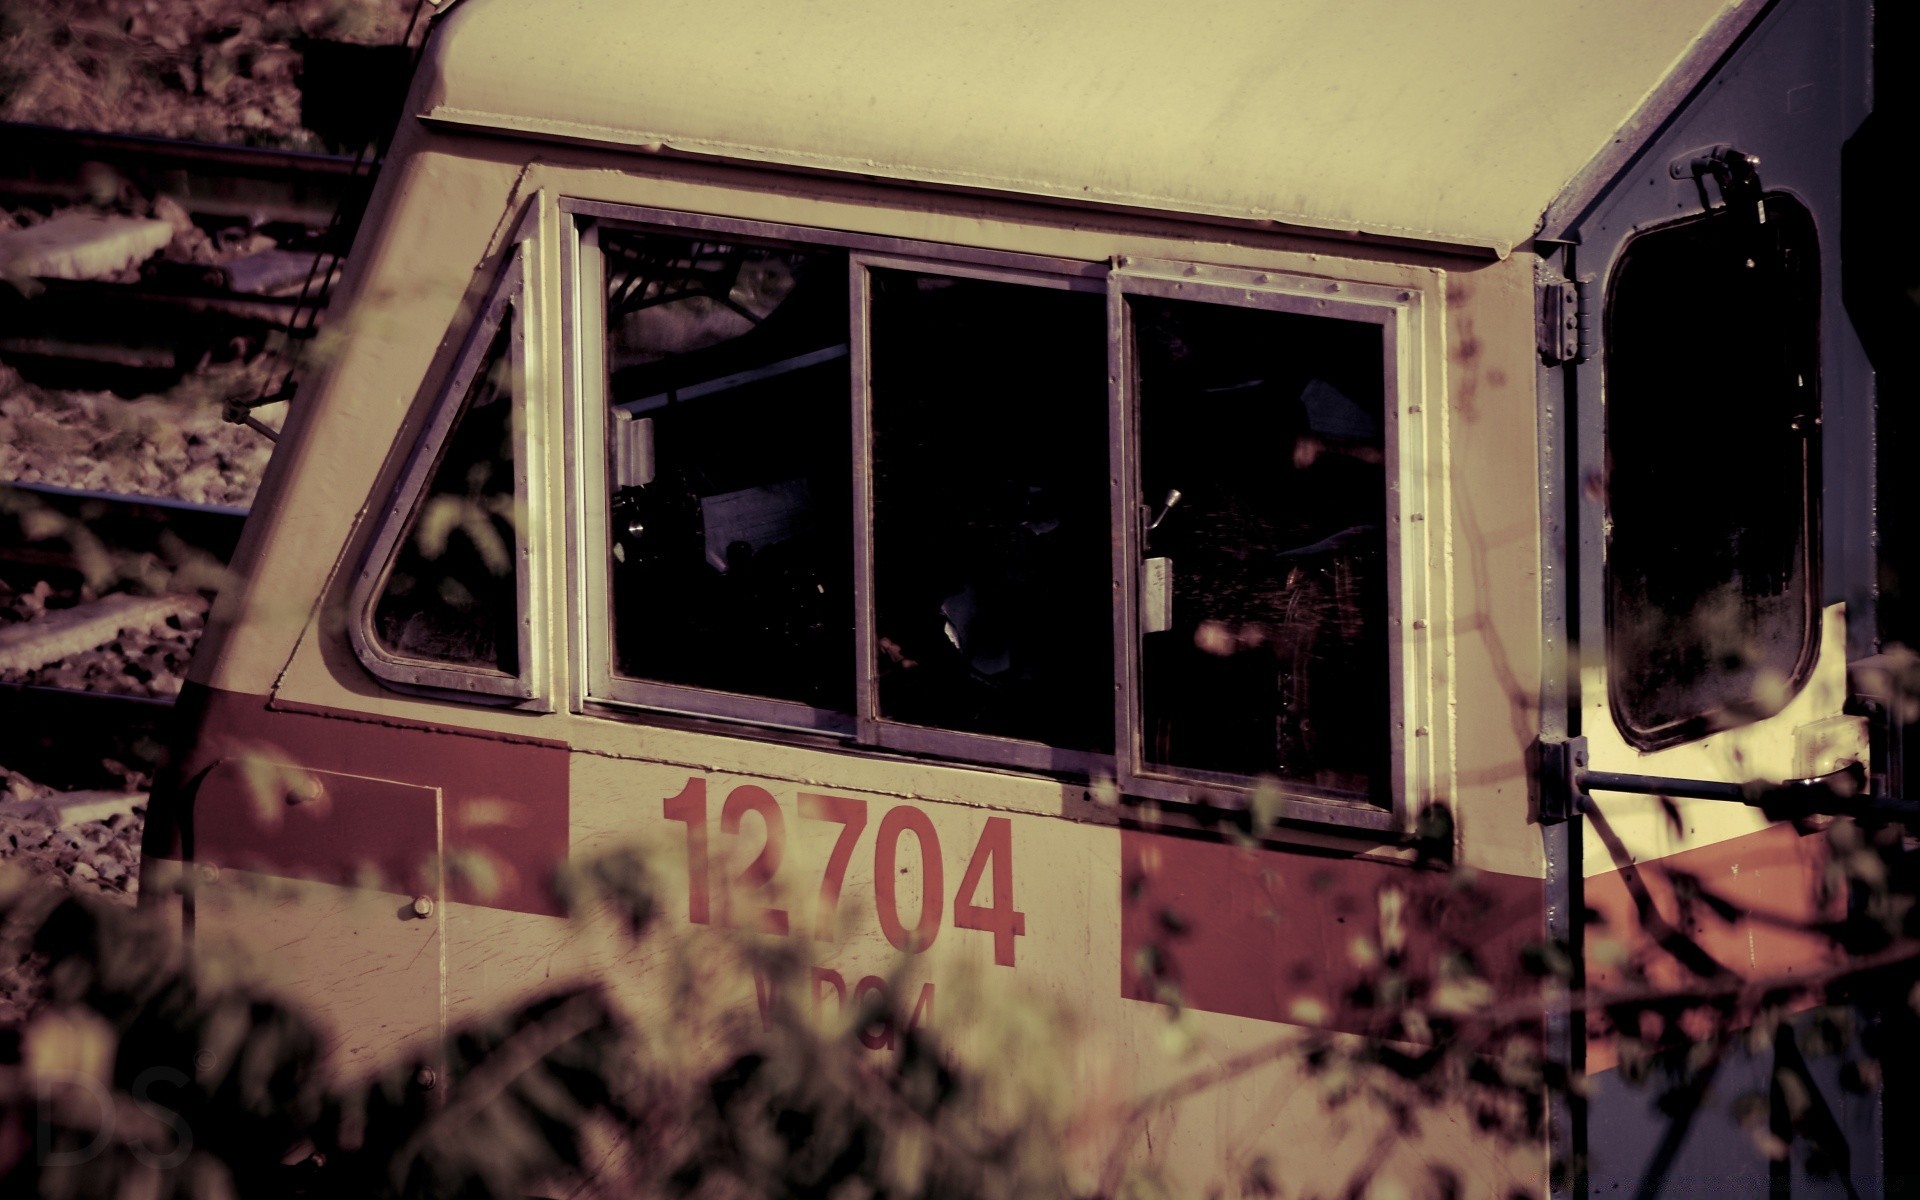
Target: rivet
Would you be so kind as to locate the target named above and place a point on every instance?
(426, 1078)
(209, 873)
(1420, 731)
(1419, 623)
(423, 906)
(1417, 517)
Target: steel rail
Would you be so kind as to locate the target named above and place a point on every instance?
(130, 498)
(21, 145)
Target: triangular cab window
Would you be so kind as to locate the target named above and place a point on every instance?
(452, 593)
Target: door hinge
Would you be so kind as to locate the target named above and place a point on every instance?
(1560, 761)
(1564, 321)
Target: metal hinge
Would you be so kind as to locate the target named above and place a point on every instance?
(1560, 761)
(1564, 320)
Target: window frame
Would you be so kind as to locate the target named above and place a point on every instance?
(1723, 716)
(590, 412)
(508, 291)
(871, 728)
(1411, 438)
(1409, 651)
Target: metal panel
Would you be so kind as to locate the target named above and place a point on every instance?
(1791, 94)
(301, 823)
(1387, 127)
(359, 921)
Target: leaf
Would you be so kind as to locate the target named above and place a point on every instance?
(1793, 1093)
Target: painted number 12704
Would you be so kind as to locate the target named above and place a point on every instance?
(743, 900)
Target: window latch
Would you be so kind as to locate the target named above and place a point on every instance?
(1737, 173)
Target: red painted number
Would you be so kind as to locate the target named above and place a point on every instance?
(758, 875)
(1001, 920)
(886, 879)
(691, 806)
(851, 816)
(743, 900)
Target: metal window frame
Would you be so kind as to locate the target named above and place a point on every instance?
(508, 290)
(1412, 689)
(586, 386)
(873, 728)
(1412, 435)
(1725, 715)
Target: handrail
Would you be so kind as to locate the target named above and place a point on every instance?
(1567, 786)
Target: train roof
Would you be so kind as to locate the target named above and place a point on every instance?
(1456, 123)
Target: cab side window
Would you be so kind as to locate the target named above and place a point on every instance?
(1712, 379)
(731, 467)
(1124, 520)
(450, 596)
(442, 598)
(1263, 460)
(991, 544)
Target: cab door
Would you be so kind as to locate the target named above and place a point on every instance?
(1721, 576)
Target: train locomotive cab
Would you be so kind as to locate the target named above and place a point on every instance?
(1199, 465)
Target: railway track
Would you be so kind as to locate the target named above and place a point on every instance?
(81, 738)
(274, 223)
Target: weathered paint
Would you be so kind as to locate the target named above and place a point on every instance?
(532, 786)
(295, 792)
(1381, 118)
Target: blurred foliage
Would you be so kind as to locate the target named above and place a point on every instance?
(145, 1074)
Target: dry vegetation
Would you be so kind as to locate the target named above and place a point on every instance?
(209, 70)
(175, 446)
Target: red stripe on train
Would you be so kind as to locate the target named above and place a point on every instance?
(503, 800)
(1287, 935)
